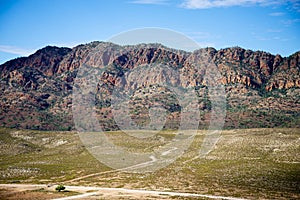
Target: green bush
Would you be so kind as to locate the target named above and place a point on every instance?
(60, 188)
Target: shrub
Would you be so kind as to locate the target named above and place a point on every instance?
(60, 188)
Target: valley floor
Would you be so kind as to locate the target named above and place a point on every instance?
(245, 163)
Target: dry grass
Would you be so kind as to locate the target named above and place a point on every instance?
(250, 163)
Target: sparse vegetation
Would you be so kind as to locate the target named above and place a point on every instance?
(248, 163)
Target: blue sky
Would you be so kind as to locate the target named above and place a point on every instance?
(269, 25)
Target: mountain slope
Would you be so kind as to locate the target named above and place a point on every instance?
(262, 90)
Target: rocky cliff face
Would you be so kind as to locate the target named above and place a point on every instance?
(262, 90)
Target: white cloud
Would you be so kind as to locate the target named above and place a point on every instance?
(277, 14)
(290, 22)
(156, 2)
(16, 50)
(204, 4)
(274, 30)
(295, 5)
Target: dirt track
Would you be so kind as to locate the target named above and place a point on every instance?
(109, 193)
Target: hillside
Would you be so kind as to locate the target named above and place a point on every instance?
(262, 90)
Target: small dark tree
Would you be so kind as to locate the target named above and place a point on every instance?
(60, 188)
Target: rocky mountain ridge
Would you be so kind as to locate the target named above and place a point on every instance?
(262, 89)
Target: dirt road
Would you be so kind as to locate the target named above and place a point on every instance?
(87, 192)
